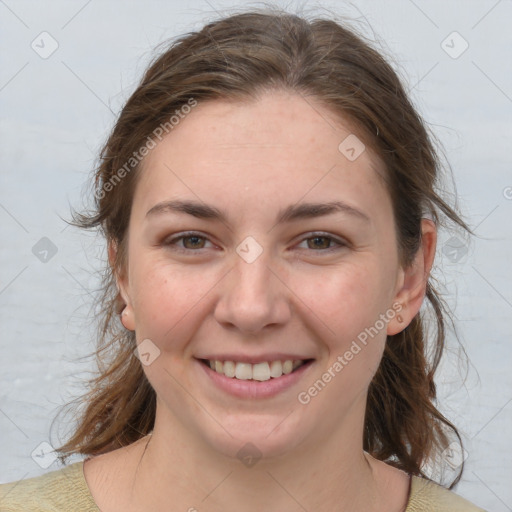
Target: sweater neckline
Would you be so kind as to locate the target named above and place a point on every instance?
(414, 482)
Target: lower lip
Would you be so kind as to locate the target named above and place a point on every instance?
(253, 388)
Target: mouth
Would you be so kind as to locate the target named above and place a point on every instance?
(260, 372)
(252, 377)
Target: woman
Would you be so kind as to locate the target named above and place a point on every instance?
(268, 197)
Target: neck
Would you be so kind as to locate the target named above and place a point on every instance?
(323, 473)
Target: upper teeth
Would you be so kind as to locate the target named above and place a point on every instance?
(259, 371)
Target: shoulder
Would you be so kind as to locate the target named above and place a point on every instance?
(61, 490)
(427, 496)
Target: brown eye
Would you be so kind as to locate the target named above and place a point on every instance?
(193, 242)
(187, 242)
(319, 242)
(322, 243)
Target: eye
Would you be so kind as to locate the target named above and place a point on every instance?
(187, 242)
(323, 242)
(194, 242)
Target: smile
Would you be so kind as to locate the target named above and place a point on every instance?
(252, 380)
(259, 371)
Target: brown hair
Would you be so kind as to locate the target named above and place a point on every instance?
(237, 58)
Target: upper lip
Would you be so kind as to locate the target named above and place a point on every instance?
(246, 358)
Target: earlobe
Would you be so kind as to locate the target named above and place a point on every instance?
(399, 321)
(414, 280)
(126, 314)
(127, 318)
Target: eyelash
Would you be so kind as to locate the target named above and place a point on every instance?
(172, 242)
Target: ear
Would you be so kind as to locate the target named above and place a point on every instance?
(412, 282)
(127, 313)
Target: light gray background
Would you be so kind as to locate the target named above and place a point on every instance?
(56, 112)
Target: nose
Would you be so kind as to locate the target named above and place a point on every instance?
(253, 297)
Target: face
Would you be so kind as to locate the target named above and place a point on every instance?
(228, 261)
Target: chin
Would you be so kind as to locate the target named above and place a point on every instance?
(256, 436)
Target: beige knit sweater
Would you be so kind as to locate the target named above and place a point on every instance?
(65, 490)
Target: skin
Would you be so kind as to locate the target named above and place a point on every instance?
(250, 161)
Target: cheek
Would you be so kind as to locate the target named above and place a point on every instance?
(166, 298)
(349, 303)
(346, 299)
(346, 304)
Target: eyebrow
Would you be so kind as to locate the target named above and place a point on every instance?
(291, 213)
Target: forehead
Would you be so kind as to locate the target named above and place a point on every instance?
(262, 154)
